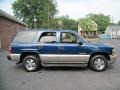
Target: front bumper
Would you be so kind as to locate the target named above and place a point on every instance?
(113, 59)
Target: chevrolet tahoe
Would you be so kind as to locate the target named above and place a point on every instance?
(41, 48)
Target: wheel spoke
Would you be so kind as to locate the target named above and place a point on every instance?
(99, 63)
(30, 64)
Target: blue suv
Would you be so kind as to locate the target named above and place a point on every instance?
(37, 48)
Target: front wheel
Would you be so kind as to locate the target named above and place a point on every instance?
(31, 63)
(98, 63)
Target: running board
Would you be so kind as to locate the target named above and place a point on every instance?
(66, 64)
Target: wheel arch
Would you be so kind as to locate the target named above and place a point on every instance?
(100, 53)
(24, 54)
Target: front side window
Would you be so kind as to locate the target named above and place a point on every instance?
(48, 37)
(67, 37)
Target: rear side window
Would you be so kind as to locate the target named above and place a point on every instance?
(24, 37)
(48, 37)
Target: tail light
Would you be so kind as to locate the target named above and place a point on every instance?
(10, 50)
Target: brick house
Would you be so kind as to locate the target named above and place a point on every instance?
(9, 25)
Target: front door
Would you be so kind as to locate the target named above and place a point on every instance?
(69, 50)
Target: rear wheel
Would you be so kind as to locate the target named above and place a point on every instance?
(98, 63)
(31, 63)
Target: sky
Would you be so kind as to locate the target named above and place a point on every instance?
(78, 8)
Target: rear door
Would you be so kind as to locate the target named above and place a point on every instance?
(48, 47)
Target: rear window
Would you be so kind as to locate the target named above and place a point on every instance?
(24, 37)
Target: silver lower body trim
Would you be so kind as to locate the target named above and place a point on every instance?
(49, 58)
(15, 57)
(73, 58)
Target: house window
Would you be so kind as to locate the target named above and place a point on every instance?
(119, 32)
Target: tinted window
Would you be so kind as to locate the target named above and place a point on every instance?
(48, 37)
(25, 37)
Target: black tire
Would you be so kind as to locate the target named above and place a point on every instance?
(98, 63)
(31, 63)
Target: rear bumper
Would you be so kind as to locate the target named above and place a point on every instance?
(14, 57)
(113, 59)
(8, 57)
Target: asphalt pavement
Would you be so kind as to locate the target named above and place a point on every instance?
(13, 77)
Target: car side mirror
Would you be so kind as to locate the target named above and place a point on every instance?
(79, 42)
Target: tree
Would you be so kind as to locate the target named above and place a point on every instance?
(101, 20)
(36, 13)
(87, 24)
(67, 23)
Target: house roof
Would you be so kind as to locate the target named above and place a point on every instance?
(113, 28)
(12, 18)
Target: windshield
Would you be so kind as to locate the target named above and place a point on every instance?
(80, 38)
(83, 40)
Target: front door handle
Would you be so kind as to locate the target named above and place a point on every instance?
(61, 47)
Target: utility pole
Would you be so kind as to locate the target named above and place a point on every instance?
(60, 23)
(48, 16)
(112, 25)
(34, 19)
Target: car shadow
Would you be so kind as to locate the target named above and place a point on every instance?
(64, 68)
(19, 67)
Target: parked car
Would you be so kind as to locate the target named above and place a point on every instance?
(37, 48)
(105, 36)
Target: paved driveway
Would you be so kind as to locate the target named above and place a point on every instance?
(13, 77)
